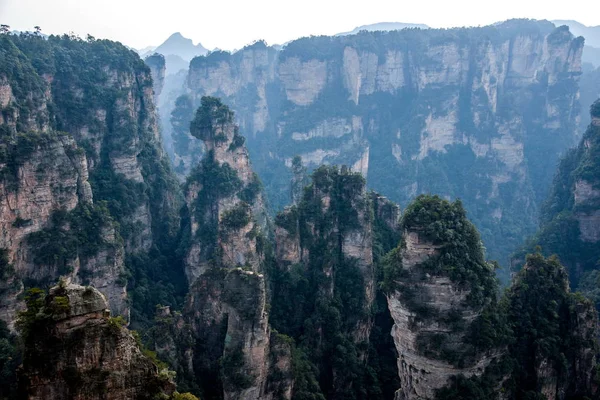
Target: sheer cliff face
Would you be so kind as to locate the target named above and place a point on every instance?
(324, 285)
(454, 337)
(229, 324)
(246, 74)
(97, 358)
(586, 191)
(223, 196)
(421, 374)
(481, 114)
(438, 285)
(156, 63)
(226, 307)
(570, 218)
(77, 131)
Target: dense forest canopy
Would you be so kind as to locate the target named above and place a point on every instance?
(340, 294)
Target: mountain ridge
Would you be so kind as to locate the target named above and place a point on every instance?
(383, 26)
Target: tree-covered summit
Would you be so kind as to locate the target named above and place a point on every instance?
(211, 113)
(460, 254)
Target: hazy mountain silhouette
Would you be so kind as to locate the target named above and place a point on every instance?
(383, 26)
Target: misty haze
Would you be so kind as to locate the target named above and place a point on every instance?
(299, 201)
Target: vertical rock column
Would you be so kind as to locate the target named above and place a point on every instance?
(224, 262)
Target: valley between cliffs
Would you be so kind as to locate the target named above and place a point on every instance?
(339, 295)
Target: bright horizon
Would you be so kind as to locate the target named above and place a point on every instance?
(233, 24)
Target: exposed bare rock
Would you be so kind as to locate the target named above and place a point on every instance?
(421, 375)
(65, 131)
(386, 211)
(229, 321)
(280, 384)
(98, 358)
(428, 109)
(52, 179)
(288, 248)
(438, 286)
(5, 93)
(585, 193)
(251, 69)
(237, 219)
(158, 68)
(570, 223)
(302, 81)
(226, 308)
(327, 238)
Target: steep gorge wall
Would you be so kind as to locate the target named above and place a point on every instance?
(84, 179)
(570, 220)
(481, 114)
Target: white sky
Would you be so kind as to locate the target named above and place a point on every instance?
(230, 24)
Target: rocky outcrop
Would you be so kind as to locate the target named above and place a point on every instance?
(350, 235)
(327, 239)
(421, 375)
(224, 194)
(586, 190)
(97, 358)
(248, 71)
(229, 319)
(226, 306)
(589, 220)
(72, 138)
(53, 178)
(437, 288)
(386, 211)
(442, 111)
(157, 65)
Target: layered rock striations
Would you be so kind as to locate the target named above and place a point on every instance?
(481, 113)
(84, 179)
(223, 196)
(248, 72)
(456, 338)
(303, 310)
(234, 353)
(438, 285)
(75, 350)
(329, 227)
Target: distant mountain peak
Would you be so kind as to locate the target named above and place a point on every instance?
(570, 22)
(178, 37)
(180, 46)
